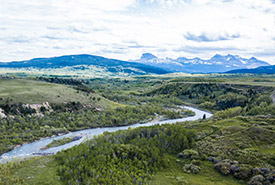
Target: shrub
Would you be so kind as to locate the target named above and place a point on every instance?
(223, 167)
(189, 154)
(191, 168)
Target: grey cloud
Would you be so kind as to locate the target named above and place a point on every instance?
(78, 29)
(115, 51)
(53, 28)
(204, 37)
(162, 50)
(141, 46)
(135, 44)
(264, 53)
(17, 39)
(52, 37)
(100, 44)
(57, 47)
(74, 29)
(268, 10)
(196, 50)
(99, 29)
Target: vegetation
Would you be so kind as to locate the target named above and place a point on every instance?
(237, 142)
(208, 175)
(58, 142)
(214, 96)
(35, 92)
(235, 146)
(38, 170)
(21, 129)
(127, 157)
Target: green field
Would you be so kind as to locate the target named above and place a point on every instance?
(36, 92)
(40, 170)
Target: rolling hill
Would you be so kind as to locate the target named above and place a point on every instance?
(258, 70)
(36, 92)
(81, 65)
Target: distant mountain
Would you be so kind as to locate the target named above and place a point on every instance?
(217, 63)
(258, 70)
(82, 62)
(97, 66)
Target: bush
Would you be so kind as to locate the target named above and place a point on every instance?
(243, 172)
(256, 180)
(189, 154)
(229, 113)
(223, 167)
(191, 168)
(272, 161)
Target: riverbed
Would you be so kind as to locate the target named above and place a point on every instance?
(33, 149)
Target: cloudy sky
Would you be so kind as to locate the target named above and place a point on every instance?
(124, 29)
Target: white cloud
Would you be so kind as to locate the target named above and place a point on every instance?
(125, 28)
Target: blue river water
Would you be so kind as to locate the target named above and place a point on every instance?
(31, 149)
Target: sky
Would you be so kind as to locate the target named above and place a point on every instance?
(124, 29)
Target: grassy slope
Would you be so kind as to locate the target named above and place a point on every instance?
(207, 176)
(237, 82)
(239, 133)
(41, 170)
(36, 92)
(256, 134)
(243, 79)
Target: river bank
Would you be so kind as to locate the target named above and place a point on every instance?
(28, 150)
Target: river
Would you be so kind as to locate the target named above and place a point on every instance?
(28, 150)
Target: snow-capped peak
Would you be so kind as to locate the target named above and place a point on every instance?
(218, 63)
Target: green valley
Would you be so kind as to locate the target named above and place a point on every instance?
(234, 146)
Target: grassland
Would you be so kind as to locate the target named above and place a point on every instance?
(36, 92)
(240, 79)
(40, 170)
(207, 176)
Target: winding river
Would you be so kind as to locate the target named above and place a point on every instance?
(28, 150)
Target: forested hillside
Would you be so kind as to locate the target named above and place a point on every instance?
(252, 100)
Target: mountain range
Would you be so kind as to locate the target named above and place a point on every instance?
(147, 64)
(258, 70)
(216, 64)
(83, 62)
